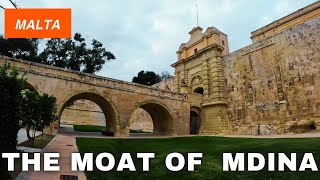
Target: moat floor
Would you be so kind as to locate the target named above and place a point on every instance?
(212, 149)
(65, 143)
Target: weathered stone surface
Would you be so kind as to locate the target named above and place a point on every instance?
(141, 120)
(285, 23)
(117, 99)
(274, 82)
(269, 87)
(83, 112)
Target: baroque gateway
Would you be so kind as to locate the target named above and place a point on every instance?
(269, 87)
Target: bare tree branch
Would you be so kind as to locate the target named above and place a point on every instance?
(14, 4)
(2, 7)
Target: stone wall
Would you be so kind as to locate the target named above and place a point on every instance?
(118, 99)
(83, 112)
(276, 82)
(167, 84)
(302, 15)
(86, 112)
(141, 120)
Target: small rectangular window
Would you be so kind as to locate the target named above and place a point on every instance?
(222, 42)
(195, 51)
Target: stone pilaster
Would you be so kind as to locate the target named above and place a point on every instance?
(205, 78)
(176, 81)
(214, 107)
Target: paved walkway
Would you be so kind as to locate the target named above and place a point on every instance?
(65, 145)
(28, 149)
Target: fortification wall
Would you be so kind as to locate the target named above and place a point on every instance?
(84, 112)
(276, 83)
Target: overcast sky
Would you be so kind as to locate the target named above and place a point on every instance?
(145, 34)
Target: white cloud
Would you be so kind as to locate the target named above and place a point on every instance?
(145, 35)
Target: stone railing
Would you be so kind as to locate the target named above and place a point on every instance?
(99, 81)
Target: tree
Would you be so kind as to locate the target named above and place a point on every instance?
(48, 110)
(148, 78)
(165, 75)
(11, 84)
(75, 55)
(65, 53)
(96, 57)
(30, 113)
(57, 52)
(20, 48)
(38, 111)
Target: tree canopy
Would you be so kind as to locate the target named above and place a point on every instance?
(20, 107)
(11, 84)
(165, 75)
(69, 53)
(148, 78)
(38, 111)
(20, 48)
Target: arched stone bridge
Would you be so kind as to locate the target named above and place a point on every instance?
(117, 99)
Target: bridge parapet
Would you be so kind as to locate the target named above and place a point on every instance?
(70, 75)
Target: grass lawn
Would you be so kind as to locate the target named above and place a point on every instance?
(88, 128)
(40, 141)
(92, 128)
(212, 149)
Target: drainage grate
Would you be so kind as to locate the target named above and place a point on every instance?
(68, 177)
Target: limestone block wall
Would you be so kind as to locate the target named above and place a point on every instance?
(302, 15)
(167, 84)
(141, 120)
(276, 83)
(83, 112)
(86, 112)
(118, 99)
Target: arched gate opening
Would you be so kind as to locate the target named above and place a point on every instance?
(108, 109)
(161, 118)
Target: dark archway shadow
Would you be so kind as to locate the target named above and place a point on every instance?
(107, 107)
(161, 118)
(199, 90)
(194, 123)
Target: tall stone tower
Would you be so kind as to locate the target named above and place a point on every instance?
(199, 72)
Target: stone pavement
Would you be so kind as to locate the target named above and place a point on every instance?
(65, 145)
(28, 149)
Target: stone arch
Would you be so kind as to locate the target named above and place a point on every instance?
(196, 109)
(107, 106)
(160, 115)
(196, 84)
(29, 86)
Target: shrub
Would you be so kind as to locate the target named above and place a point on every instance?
(11, 85)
